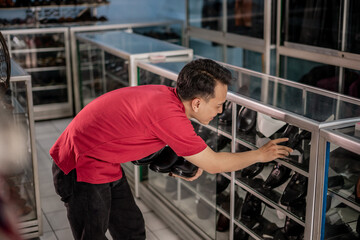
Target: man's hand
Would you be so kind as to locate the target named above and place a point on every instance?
(271, 150)
(197, 175)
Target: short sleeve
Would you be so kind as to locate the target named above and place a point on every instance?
(179, 134)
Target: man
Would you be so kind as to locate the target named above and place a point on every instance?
(129, 124)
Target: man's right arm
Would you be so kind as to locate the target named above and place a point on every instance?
(216, 162)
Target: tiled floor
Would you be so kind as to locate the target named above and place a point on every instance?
(55, 223)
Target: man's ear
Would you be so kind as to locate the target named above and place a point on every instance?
(195, 104)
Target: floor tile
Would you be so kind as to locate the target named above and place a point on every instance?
(58, 220)
(153, 222)
(52, 204)
(64, 234)
(166, 234)
(48, 236)
(46, 224)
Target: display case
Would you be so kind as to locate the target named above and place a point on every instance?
(139, 24)
(23, 183)
(45, 54)
(107, 61)
(264, 201)
(339, 181)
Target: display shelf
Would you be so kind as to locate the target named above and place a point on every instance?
(45, 54)
(338, 180)
(23, 184)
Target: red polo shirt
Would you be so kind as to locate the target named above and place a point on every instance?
(124, 125)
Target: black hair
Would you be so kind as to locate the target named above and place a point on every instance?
(198, 79)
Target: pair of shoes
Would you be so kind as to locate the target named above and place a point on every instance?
(295, 190)
(147, 160)
(166, 161)
(223, 222)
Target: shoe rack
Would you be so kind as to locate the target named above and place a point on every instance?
(339, 181)
(45, 54)
(277, 200)
(21, 181)
(46, 13)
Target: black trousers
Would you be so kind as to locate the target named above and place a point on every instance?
(94, 208)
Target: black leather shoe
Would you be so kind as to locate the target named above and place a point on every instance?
(278, 176)
(217, 142)
(164, 161)
(251, 207)
(295, 190)
(147, 160)
(221, 183)
(225, 118)
(252, 171)
(246, 119)
(184, 168)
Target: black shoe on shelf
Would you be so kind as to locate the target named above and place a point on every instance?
(295, 190)
(221, 183)
(278, 176)
(246, 119)
(251, 207)
(252, 171)
(164, 160)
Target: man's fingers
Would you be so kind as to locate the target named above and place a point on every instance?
(279, 140)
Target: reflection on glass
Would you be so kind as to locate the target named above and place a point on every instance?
(206, 14)
(353, 28)
(246, 17)
(170, 34)
(146, 77)
(316, 23)
(100, 72)
(351, 86)
(206, 49)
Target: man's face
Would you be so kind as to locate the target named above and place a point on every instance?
(209, 109)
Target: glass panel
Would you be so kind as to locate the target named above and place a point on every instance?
(40, 59)
(48, 78)
(244, 58)
(351, 85)
(196, 199)
(316, 23)
(170, 34)
(46, 96)
(21, 181)
(205, 14)
(31, 41)
(146, 77)
(353, 28)
(131, 43)
(207, 49)
(350, 131)
(343, 199)
(100, 72)
(246, 17)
